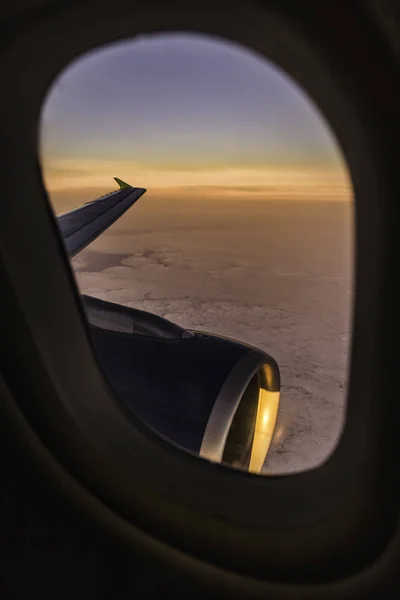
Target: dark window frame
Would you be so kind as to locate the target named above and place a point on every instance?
(278, 528)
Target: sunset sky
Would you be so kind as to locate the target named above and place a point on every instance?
(186, 115)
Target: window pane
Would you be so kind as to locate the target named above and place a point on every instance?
(245, 231)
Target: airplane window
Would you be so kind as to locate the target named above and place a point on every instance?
(207, 211)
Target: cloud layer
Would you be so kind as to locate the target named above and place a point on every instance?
(278, 279)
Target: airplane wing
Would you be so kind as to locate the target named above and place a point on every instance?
(80, 226)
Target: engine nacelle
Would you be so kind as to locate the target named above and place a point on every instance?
(211, 395)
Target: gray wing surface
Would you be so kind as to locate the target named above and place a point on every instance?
(80, 226)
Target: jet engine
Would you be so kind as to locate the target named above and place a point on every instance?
(213, 396)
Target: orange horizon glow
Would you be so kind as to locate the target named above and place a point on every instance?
(80, 178)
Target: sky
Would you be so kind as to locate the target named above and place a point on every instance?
(186, 115)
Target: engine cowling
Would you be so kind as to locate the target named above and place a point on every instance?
(211, 395)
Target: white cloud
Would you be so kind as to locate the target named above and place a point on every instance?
(284, 289)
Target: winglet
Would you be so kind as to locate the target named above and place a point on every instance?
(122, 184)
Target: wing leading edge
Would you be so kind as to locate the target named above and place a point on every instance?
(81, 226)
